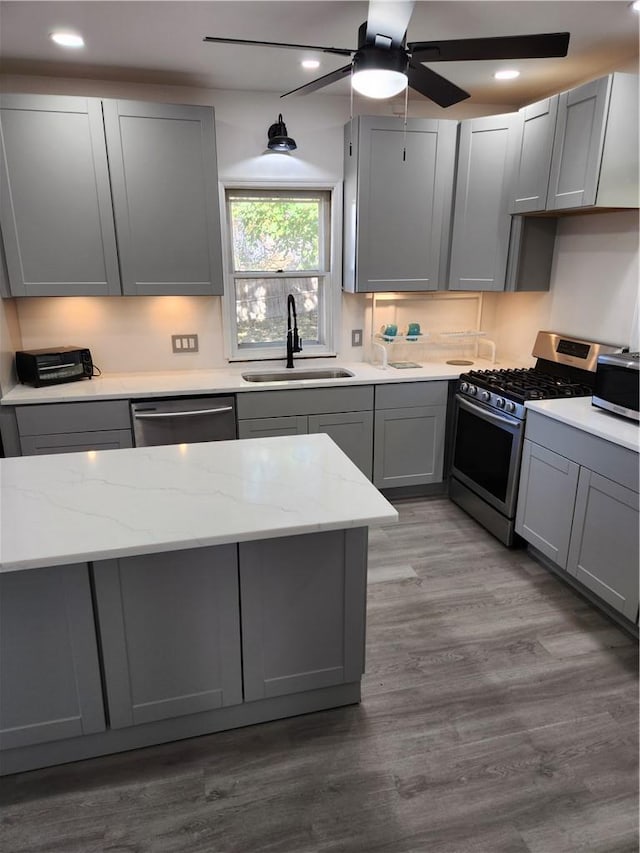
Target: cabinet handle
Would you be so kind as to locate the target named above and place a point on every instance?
(140, 415)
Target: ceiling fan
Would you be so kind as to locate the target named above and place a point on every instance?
(383, 64)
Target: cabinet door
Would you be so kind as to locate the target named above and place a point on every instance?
(352, 432)
(403, 201)
(546, 499)
(408, 446)
(534, 144)
(170, 634)
(55, 205)
(577, 149)
(303, 612)
(74, 442)
(49, 674)
(266, 427)
(604, 542)
(481, 221)
(163, 166)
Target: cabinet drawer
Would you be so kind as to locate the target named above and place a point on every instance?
(73, 417)
(403, 394)
(604, 457)
(304, 401)
(74, 442)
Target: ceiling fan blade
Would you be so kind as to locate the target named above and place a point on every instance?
(433, 86)
(341, 51)
(320, 82)
(388, 20)
(500, 47)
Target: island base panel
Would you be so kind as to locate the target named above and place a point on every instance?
(179, 728)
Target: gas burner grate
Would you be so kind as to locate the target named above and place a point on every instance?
(526, 384)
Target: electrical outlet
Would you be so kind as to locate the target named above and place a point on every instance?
(184, 343)
(356, 337)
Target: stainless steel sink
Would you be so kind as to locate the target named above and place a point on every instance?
(296, 374)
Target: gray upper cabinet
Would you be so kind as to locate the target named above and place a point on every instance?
(162, 159)
(50, 685)
(397, 203)
(175, 651)
(481, 220)
(534, 144)
(55, 205)
(595, 151)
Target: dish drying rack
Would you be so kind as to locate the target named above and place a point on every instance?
(477, 337)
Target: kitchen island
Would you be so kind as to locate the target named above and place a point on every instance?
(159, 593)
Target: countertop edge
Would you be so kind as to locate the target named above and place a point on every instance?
(578, 412)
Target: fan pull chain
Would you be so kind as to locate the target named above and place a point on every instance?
(351, 114)
(404, 138)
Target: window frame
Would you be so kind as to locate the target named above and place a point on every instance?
(330, 282)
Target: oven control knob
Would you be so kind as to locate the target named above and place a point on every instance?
(464, 387)
(473, 390)
(500, 402)
(509, 406)
(485, 396)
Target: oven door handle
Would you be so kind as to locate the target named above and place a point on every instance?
(488, 414)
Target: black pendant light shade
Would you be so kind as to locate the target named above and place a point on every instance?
(278, 139)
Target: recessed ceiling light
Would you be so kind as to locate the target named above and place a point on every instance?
(67, 39)
(507, 74)
(636, 6)
(310, 63)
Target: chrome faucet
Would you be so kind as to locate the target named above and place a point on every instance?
(294, 344)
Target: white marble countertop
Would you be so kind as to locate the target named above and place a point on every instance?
(75, 507)
(229, 380)
(578, 412)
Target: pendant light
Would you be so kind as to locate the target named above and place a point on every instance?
(278, 138)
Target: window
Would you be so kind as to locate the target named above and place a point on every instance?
(279, 244)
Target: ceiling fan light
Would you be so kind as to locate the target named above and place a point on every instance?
(379, 82)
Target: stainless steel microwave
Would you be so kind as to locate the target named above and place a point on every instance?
(617, 384)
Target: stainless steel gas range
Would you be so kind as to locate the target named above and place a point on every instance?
(489, 424)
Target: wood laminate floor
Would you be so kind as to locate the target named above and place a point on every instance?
(499, 715)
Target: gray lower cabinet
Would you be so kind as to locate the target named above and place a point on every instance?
(169, 633)
(397, 201)
(546, 500)
(71, 427)
(345, 414)
(50, 685)
(55, 206)
(578, 505)
(604, 541)
(409, 434)
(162, 161)
(303, 612)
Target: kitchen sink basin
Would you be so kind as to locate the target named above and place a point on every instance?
(295, 374)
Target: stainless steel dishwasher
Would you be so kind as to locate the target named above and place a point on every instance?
(183, 420)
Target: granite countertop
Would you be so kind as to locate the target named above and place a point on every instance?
(228, 380)
(578, 412)
(75, 507)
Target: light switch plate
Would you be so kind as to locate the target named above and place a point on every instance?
(184, 343)
(356, 337)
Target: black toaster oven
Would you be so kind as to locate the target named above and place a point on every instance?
(51, 366)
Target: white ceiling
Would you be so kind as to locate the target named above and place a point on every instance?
(161, 42)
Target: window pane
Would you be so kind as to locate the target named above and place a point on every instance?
(276, 233)
(261, 309)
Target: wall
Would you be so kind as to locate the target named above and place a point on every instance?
(594, 278)
(594, 288)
